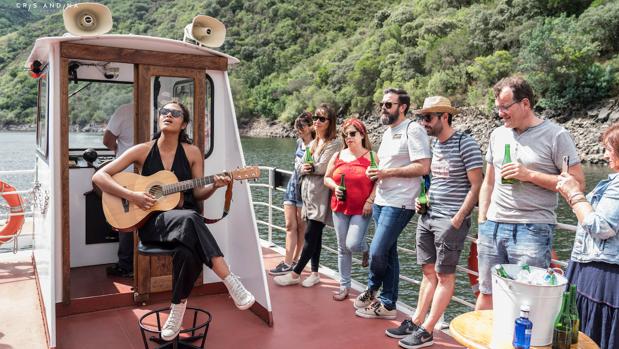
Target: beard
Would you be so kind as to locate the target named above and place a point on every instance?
(388, 118)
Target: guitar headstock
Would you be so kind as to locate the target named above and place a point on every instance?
(249, 172)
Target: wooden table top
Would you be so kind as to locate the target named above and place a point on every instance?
(474, 330)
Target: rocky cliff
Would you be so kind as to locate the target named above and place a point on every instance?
(584, 126)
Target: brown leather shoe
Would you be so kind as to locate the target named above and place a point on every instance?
(365, 261)
(341, 294)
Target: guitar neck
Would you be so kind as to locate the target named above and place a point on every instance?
(186, 185)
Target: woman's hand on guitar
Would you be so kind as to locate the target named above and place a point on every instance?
(221, 181)
(143, 200)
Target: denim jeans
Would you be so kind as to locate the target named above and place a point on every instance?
(351, 231)
(510, 243)
(384, 262)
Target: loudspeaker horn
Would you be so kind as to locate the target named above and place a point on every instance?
(206, 31)
(87, 18)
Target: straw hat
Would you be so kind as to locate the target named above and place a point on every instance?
(437, 104)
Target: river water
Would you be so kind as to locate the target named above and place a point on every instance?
(17, 153)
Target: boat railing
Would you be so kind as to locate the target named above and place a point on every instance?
(277, 179)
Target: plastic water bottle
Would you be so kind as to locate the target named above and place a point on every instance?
(522, 329)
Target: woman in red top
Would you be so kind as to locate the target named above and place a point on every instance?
(352, 207)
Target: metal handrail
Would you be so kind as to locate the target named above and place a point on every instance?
(272, 171)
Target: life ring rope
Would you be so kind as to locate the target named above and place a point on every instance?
(16, 219)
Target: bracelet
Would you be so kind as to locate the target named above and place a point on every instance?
(369, 201)
(579, 200)
(574, 194)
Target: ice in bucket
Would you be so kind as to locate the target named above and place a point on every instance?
(508, 295)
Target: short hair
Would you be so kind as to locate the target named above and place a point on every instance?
(304, 119)
(519, 86)
(403, 97)
(610, 137)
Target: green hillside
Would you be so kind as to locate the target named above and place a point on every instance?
(297, 53)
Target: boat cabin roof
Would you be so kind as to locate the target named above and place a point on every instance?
(42, 46)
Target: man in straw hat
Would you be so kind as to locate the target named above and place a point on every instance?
(404, 155)
(518, 199)
(456, 178)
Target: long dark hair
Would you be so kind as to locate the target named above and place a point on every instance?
(183, 137)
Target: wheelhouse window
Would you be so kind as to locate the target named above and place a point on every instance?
(43, 115)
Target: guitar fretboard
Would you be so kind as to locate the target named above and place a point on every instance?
(186, 185)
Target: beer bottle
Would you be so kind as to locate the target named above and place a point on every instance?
(308, 159)
(373, 165)
(500, 271)
(522, 329)
(550, 278)
(562, 329)
(507, 158)
(342, 188)
(574, 314)
(422, 199)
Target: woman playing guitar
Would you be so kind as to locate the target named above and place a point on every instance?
(183, 227)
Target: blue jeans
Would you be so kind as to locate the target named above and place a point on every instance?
(509, 243)
(384, 262)
(351, 231)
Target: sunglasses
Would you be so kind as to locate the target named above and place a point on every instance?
(175, 113)
(387, 105)
(427, 117)
(321, 118)
(350, 134)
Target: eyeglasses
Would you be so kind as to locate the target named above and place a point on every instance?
(321, 118)
(505, 108)
(387, 105)
(427, 117)
(175, 112)
(351, 134)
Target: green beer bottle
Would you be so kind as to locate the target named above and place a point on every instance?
(562, 329)
(342, 188)
(507, 158)
(422, 199)
(500, 271)
(372, 161)
(308, 159)
(574, 314)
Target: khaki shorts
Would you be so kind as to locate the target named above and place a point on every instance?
(439, 243)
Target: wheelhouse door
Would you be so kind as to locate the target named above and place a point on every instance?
(156, 86)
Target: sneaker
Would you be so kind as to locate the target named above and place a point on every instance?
(241, 297)
(172, 325)
(286, 280)
(377, 310)
(364, 299)
(118, 271)
(418, 339)
(281, 269)
(406, 328)
(341, 294)
(311, 280)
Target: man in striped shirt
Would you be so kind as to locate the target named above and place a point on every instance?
(456, 179)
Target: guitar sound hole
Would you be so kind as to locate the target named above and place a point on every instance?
(156, 191)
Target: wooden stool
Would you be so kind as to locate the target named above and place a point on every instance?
(474, 330)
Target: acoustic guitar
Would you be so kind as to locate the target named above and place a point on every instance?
(124, 215)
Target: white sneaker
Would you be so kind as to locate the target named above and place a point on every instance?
(241, 297)
(172, 326)
(286, 280)
(311, 280)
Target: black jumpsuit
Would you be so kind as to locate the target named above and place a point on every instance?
(184, 229)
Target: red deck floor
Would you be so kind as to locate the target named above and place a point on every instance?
(303, 318)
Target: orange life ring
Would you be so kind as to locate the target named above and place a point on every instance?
(16, 216)
(472, 264)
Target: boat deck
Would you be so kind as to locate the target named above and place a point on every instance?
(302, 317)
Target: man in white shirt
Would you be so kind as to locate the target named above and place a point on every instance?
(404, 157)
(118, 137)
